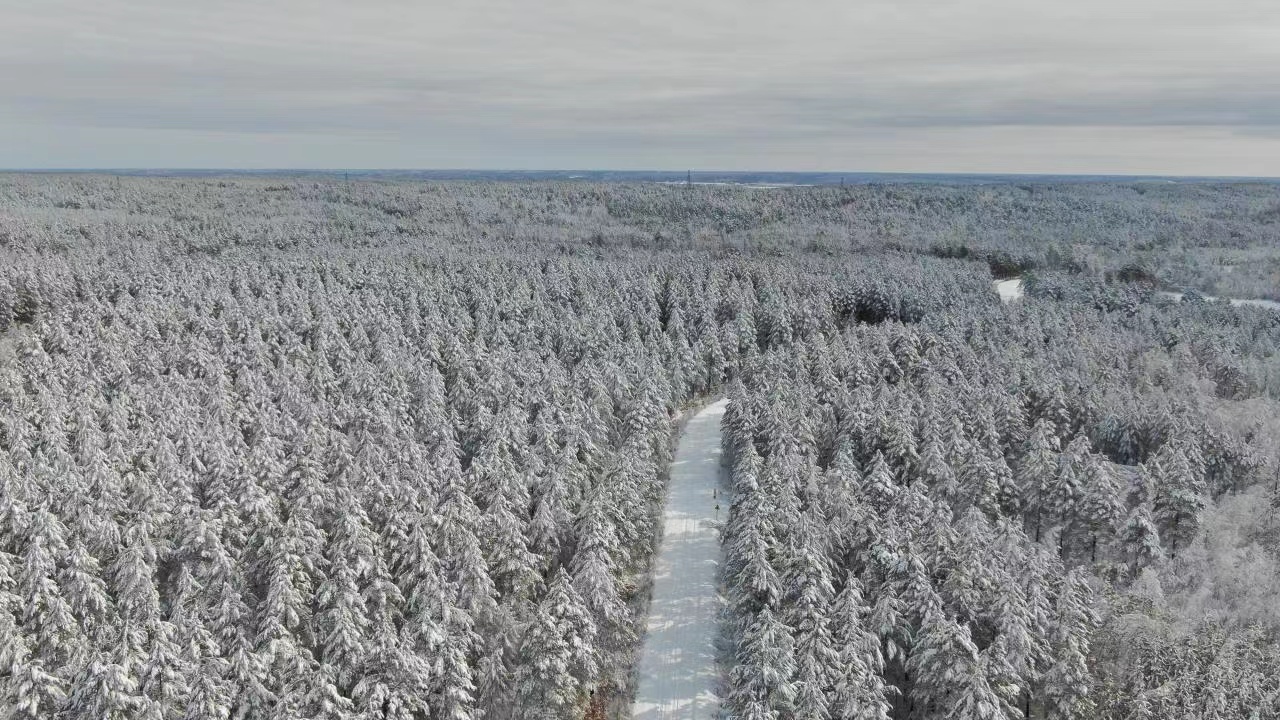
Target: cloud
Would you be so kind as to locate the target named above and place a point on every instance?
(611, 84)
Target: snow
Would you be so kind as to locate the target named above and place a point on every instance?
(1009, 290)
(678, 674)
(1237, 302)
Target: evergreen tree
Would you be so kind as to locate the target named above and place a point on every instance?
(1037, 471)
(1102, 501)
(30, 691)
(1179, 496)
(1067, 680)
(104, 690)
(164, 676)
(557, 659)
(341, 624)
(760, 682)
(1140, 536)
(859, 691)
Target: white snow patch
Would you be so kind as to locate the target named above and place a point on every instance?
(1009, 290)
(1237, 302)
(678, 674)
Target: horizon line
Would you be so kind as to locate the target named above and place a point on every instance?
(682, 173)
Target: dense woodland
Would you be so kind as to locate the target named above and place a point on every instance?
(283, 448)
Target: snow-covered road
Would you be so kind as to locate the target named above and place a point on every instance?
(679, 677)
(1011, 290)
(1236, 302)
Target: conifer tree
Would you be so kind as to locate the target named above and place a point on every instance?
(31, 691)
(1179, 496)
(1037, 471)
(859, 691)
(557, 660)
(104, 690)
(1067, 680)
(761, 682)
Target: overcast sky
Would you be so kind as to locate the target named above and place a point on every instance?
(1188, 87)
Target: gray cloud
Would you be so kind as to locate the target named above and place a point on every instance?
(1174, 86)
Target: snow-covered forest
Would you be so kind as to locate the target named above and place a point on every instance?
(298, 448)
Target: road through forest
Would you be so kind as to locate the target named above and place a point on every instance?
(678, 675)
(1011, 290)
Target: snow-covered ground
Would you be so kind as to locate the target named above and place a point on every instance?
(678, 673)
(1270, 304)
(1009, 290)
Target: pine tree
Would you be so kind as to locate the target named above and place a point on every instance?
(285, 612)
(557, 657)
(455, 689)
(133, 576)
(754, 582)
(341, 624)
(46, 616)
(1140, 536)
(1102, 501)
(30, 691)
(394, 684)
(549, 519)
(933, 469)
(322, 699)
(1065, 498)
(809, 593)
(880, 485)
(163, 677)
(1037, 471)
(594, 577)
(1179, 496)
(982, 480)
(897, 440)
(461, 555)
(85, 591)
(946, 677)
(760, 683)
(975, 698)
(859, 691)
(1067, 680)
(512, 566)
(210, 698)
(104, 690)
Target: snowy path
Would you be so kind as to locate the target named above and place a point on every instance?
(678, 673)
(1011, 290)
(1237, 302)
